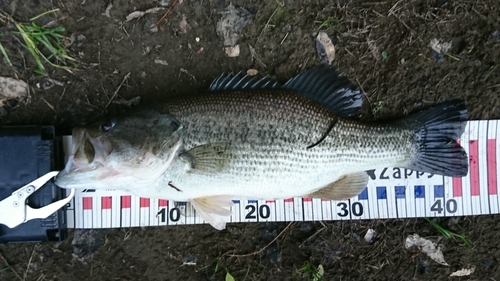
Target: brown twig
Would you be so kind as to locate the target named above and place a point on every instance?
(118, 89)
(7, 264)
(265, 247)
(267, 23)
(166, 13)
(29, 263)
(49, 105)
(316, 233)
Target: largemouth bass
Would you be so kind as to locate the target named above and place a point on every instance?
(256, 139)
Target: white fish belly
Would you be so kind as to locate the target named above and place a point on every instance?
(271, 173)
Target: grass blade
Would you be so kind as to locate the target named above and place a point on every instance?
(7, 58)
(43, 14)
(449, 234)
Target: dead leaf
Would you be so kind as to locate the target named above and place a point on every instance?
(138, 14)
(135, 15)
(184, 26)
(427, 247)
(130, 102)
(162, 62)
(463, 272)
(439, 46)
(325, 48)
(252, 72)
(233, 51)
(108, 9)
(233, 20)
(12, 89)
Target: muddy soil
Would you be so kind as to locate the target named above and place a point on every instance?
(382, 46)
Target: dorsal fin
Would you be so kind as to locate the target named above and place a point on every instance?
(241, 81)
(325, 85)
(322, 84)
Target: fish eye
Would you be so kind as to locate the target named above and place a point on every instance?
(108, 125)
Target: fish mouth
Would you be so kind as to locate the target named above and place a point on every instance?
(87, 152)
(86, 169)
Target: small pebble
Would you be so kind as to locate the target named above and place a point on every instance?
(287, 28)
(370, 234)
(439, 57)
(496, 36)
(356, 236)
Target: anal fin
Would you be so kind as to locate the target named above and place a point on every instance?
(346, 187)
(214, 209)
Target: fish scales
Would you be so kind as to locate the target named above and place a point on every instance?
(253, 138)
(270, 127)
(259, 117)
(269, 132)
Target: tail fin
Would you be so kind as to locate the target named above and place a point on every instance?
(438, 130)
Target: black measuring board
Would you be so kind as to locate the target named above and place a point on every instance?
(26, 153)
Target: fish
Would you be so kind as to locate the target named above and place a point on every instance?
(252, 137)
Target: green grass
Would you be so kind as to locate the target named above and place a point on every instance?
(330, 22)
(4, 53)
(377, 106)
(218, 265)
(51, 39)
(449, 234)
(5, 268)
(309, 272)
(126, 234)
(229, 277)
(491, 71)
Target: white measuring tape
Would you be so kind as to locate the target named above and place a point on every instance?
(390, 193)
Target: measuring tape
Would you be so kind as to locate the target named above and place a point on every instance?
(390, 193)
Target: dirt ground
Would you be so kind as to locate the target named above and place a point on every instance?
(382, 46)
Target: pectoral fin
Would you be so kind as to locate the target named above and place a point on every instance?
(346, 187)
(214, 209)
(212, 157)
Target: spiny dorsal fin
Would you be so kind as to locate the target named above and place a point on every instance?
(211, 157)
(241, 81)
(322, 84)
(346, 187)
(326, 86)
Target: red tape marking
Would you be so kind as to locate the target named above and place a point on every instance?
(457, 184)
(289, 200)
(163, 203)
(457, 187)
(144, 202)
(106, 202)
(492, 167)
(474, 167)
(125, 200)
(87, 203)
